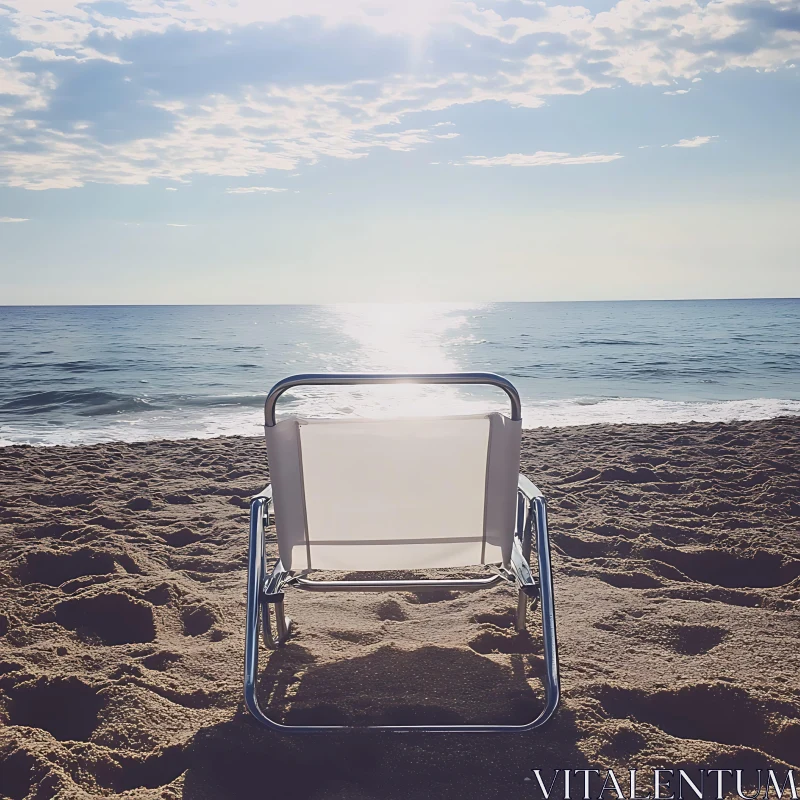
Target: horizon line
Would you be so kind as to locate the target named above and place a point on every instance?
(391, 302)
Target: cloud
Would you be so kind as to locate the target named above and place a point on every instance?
(679, 91)
(13, 219)
(131, 91)
(446, 135)
(253, 190)
(697, 141)
(170, 189)
(178, 225)
(541, 158)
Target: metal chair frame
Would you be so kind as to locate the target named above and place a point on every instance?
(265, 593)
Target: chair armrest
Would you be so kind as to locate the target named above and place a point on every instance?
(266, 493)
(528, 488)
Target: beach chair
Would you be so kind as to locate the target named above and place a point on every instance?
(378, 495)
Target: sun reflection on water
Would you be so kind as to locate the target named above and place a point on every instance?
(402, 337)
(395, 337)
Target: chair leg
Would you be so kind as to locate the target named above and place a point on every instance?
(283, 624)
(523, 535)
(521, 621)
(271, 596)
(549, 639)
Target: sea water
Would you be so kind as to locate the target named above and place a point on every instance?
(77, 375)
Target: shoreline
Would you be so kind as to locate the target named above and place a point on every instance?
(677, 591)
(525, 431)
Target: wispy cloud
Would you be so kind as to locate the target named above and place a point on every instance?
(697, 141)
(679, 91)
(179, 225)
(541, 158)
(171, 189)
(170, 90)
(447, 135)
(13, 219)
(253, 190)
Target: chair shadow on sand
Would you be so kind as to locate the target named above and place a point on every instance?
(431, 684)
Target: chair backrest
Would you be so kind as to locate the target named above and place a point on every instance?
(401, 494)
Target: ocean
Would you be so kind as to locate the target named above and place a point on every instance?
(79, 375)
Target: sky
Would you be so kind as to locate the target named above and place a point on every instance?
(291, 151)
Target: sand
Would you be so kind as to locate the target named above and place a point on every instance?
(122, 575)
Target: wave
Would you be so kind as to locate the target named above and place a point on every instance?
(616, 343)
(220, 400)
(649, 411)
(243, 417)
(76, 367)
(97, 402)
(86, 402)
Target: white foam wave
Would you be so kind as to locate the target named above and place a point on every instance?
(248, 421)
(648, 411)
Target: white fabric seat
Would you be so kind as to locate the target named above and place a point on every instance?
(381, 494)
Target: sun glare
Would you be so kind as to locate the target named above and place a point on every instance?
(402, 337)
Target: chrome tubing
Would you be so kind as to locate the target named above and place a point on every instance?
(422, 585)
(282, 625)
(255, 580)
(552, 687)
(528, 488)
(255, 584)
(358, 379)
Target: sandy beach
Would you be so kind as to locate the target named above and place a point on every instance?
(122, 576)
